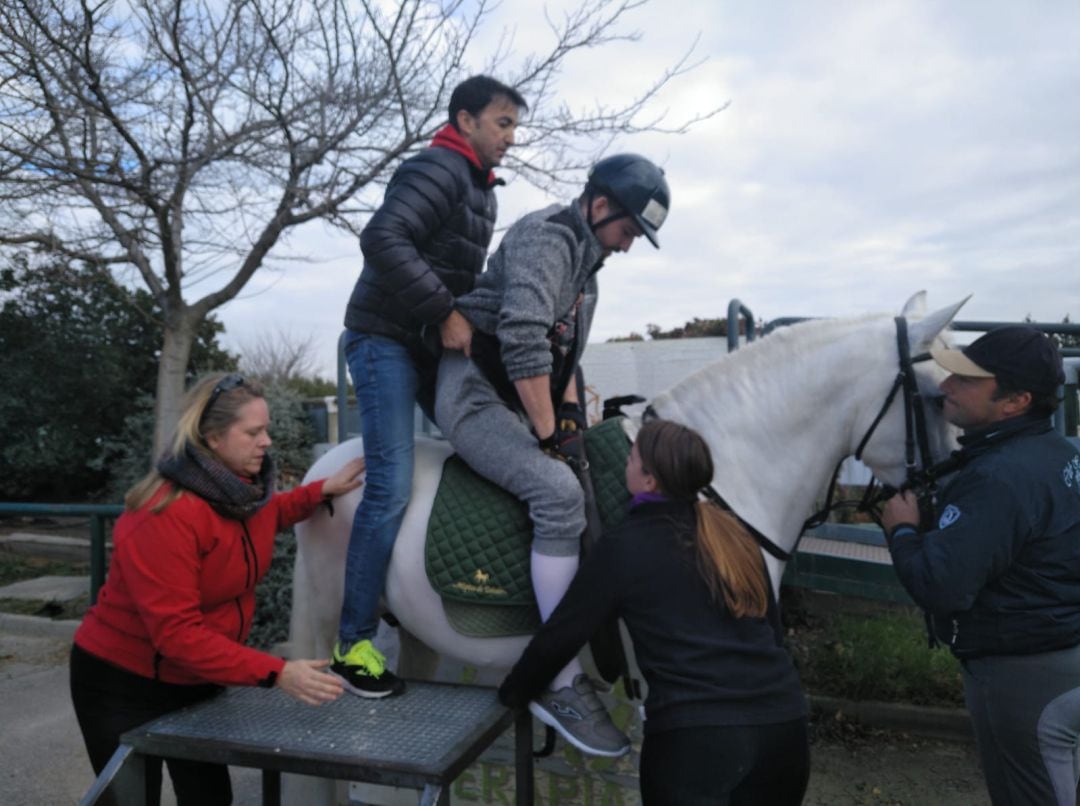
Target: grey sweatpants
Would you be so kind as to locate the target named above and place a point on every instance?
(1026, 713)
(497, 443)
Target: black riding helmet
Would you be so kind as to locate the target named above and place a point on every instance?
(637, 186)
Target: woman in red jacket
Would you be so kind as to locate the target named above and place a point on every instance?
(170, 623)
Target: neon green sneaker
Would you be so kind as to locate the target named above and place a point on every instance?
(363, 668)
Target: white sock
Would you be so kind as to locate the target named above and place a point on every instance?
(551, 576)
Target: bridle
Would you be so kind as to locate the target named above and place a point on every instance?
(920, 478)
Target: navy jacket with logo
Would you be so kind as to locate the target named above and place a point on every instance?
(1000, 575)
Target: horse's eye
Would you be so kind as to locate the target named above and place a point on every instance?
(938, 402)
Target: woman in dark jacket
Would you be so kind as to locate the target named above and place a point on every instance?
(169, 626)
(725, 714)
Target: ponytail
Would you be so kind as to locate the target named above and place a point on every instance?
(728, 558)
(729, 561)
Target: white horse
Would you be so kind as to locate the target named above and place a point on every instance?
(778, 415)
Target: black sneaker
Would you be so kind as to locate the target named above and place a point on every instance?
(363, 668)
(580, 718)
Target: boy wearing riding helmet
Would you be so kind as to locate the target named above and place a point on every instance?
(511, 408)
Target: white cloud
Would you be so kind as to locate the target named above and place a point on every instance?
(870, 150)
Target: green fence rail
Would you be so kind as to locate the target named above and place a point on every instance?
(100, 515)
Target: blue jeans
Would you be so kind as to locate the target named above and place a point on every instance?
(386, 384)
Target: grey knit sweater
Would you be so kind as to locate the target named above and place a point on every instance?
(527, 296)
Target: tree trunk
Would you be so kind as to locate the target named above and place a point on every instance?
(172, 370)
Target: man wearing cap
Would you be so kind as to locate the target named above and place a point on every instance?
(511, 408)
(999, 573)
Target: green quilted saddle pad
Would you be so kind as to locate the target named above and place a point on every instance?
(479, 538)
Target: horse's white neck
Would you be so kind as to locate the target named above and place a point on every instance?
(780, 414)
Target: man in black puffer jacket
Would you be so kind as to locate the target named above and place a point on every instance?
(422, 248)
(999, 573)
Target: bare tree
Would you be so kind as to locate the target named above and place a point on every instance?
(180, 141)
(278, 356)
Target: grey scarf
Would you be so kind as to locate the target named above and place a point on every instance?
(228, 494)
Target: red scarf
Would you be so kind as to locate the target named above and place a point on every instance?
(449, 137)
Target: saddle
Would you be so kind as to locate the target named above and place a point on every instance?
(479, 539)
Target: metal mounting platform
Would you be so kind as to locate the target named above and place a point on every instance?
(421, 740)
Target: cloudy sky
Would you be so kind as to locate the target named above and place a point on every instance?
(869, 150)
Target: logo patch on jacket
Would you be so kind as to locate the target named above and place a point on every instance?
(1071, 473)
(950, 516)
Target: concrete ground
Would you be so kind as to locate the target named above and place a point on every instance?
(36, 713)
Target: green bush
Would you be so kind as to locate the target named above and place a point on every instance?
(78, 352)
(871, 652)
(292, 433)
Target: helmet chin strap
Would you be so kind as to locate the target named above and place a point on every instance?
(589, 215)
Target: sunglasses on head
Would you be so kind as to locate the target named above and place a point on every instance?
(226, 384)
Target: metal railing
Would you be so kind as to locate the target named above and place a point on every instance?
(735, 308)
(100, 516)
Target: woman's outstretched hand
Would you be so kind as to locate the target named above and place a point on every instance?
(307, 681)
(345, 479)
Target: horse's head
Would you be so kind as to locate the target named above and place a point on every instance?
(885, 451)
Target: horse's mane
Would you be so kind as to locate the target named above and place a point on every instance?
(768, 368)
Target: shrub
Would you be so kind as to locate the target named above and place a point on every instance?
(867, 651)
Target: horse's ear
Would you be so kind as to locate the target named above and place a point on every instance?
(922, 333)
(915, 307)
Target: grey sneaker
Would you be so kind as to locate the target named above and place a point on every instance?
(579, 716)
